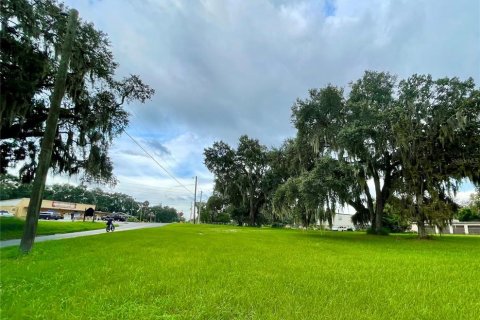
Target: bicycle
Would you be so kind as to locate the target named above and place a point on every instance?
(110, 227)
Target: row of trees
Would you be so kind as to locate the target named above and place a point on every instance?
(386, 146)
(12, 188)
(165, 214)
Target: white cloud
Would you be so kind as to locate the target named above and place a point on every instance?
(464, 197)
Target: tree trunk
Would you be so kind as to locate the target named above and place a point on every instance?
(379, 206)
(378, 202)
(252, 209)
(370, 207)
(378, 219)
(306, 219)
(30, 228)
(422, 230)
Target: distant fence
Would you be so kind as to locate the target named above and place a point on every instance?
(454, 228)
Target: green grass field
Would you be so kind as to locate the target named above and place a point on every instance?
(223, 272)
(12, 228)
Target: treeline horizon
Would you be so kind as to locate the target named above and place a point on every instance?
(12, 188)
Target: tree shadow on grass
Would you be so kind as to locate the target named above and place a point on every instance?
(362, 237)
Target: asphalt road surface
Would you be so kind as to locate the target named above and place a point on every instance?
(122, 226)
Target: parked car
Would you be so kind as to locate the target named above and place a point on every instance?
(50, 215)
(119, 217)
(5, 213)
(341, 228)
(115, 217)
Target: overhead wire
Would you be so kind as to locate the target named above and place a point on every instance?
(155, 160)
(142, 123)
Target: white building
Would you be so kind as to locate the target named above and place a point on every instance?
(456, 227)
(341, 220)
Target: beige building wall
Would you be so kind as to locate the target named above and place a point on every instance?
(19, 207)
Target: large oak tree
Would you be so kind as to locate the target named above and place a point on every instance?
(355, 130)
(239, 174)
(415, 139)
(92, 111)
(438, 137)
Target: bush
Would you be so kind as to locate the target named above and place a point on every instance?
(278, 225)
(382, 232)
(467, 214)
(132, 219)
(395, 223)
(223, 217)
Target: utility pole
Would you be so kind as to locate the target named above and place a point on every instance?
(191, 211)
(200, 206)
(195, 201)
(31, 222)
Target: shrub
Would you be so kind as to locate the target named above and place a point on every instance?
(396, 223)
(382, 232)
(132, 219)
(278, 225)
(467, 214)
(223, 217)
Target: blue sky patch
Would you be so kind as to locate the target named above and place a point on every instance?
(329, 8)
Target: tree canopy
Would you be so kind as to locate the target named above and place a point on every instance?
(355, 130)
(239, 174)
(402, 145)
(164, 214)
(437, 134)
(413, 137)
(92, 112)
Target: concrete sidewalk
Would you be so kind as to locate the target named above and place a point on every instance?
(123, 226)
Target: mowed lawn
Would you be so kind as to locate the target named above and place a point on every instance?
(223, 272)
(12, 228)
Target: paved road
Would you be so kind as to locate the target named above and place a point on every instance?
(122, 226)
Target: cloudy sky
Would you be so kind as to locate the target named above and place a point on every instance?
(226, 68)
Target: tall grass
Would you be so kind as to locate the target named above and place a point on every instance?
(12, 228)
(222, 272)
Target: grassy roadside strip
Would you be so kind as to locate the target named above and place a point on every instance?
(12, 228)
(223, 272)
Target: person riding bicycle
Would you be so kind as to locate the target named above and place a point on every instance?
(109, 222)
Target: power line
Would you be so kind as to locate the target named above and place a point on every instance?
(158, 163)
(151, 190)
(159, 187)
(142, 123)
(128, 185)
